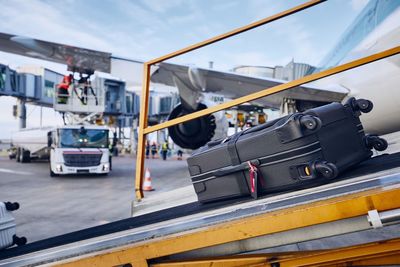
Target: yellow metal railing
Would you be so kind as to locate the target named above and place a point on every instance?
(319, 212)
(144, 129)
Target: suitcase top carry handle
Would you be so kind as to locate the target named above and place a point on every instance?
(232, 169)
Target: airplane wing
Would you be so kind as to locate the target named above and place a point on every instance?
(191, 82)
(77, 59)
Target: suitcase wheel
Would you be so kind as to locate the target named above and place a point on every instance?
(327, 170)
(19, 241)
(373, 141)
(364, 105)
(310, 122)
(11, 206)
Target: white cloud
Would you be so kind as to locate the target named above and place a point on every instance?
(298, 40)
(163, 6)
(43, 21)
(252, 58)
(262, 9)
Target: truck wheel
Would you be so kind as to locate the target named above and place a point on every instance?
(52, 174)
(18, 155)
(25, 156)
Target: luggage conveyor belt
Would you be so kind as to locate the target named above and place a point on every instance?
(385, 168)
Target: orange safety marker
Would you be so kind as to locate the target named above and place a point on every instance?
(147, 181)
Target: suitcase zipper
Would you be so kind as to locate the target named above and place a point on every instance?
(286, 159)
(261, 162)
(289, 151)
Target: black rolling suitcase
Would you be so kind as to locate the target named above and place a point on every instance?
(296, 151)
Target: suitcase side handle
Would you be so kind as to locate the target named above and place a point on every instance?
(237, 168)
(226, 170)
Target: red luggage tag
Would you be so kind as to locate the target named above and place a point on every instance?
(253, 180)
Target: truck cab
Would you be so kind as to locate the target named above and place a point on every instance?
(79, 149)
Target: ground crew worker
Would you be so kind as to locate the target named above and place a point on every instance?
(85, 86)
(180, 154)
(111, 149)
(147, 149)
(164, 150)
(62, 89)
(153, 150)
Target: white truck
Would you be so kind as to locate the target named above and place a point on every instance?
(71, 149)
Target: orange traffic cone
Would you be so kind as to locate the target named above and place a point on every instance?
(147, 181)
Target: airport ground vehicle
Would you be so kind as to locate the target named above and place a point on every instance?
(220, 235)
(70, 149)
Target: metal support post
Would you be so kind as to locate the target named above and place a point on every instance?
(144, 108)
(22, 113)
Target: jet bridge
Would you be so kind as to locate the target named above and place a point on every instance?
(38, 85)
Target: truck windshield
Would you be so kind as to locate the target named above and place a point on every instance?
(83, 138)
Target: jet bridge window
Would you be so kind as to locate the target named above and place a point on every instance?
(165, 105)
(2, 78)
(13, 81)
(48, 89)
(129, 104)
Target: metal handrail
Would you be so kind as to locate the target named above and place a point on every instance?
(144, 129)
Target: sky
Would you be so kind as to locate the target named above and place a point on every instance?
(146, 29)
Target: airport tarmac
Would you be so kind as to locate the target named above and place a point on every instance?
(54, 206)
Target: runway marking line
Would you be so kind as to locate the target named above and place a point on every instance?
(14, 172)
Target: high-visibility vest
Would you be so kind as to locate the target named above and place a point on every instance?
(66, 82)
